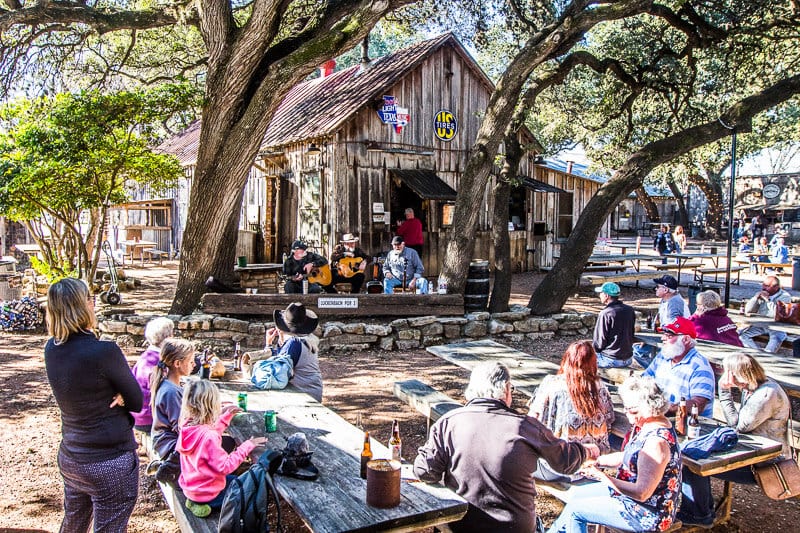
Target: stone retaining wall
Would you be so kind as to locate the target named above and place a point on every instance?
(221, 333)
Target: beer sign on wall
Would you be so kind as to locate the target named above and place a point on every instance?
(394, 115)
(445, 125)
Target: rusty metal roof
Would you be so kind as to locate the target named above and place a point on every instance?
(317, 107)
(425, 183)
(183, 145)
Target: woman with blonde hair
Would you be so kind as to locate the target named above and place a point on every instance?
(574, 404)
(679, 238)
(711, 320)
(95, 392)
(643, 493)
(764, 410)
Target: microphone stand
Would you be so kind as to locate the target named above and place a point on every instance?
(405, 270)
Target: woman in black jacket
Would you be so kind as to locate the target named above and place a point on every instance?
(95, 392)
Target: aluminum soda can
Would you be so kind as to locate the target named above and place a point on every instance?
(270, 421)
(242, 401)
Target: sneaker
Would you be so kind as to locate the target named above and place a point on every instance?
(152, 467)
(200, 510)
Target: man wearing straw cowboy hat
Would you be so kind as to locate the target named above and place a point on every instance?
(349, 262)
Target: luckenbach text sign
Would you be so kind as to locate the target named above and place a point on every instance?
(337, 303)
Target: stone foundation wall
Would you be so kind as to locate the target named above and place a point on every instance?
(221, 333)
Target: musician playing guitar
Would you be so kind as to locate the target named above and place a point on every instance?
(349, 262)
(304, 264)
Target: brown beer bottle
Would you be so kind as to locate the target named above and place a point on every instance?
(680, 418)
(237, 358)
(366, 455)
(693, 426)
(395, 444)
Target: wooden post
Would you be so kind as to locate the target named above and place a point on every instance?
(638, 244)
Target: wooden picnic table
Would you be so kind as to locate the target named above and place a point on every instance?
(743, 321)
(336, 501)
(527, 371)
(634, 259)
(135, 247)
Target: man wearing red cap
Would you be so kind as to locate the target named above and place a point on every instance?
(681, 371)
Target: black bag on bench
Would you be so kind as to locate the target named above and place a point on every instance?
(244, 509)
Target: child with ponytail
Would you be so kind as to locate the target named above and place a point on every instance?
(206, 467)
(177, 361)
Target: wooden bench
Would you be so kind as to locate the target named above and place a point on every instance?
(153, 254)
(425, 399)
(604, 268)
(176, 501)
(625, 276)
(673, 266)
(763, 266)
(700, 273)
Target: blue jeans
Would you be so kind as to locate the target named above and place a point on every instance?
(603, 361)
(697, 503)
(390, 284)
(775, 338)
(644, 354)
(216, 503)
(592, 504)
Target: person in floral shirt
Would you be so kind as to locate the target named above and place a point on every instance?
(643, 494)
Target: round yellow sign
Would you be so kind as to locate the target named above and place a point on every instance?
(445, 125)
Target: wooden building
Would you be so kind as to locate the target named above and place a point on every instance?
(349, 150)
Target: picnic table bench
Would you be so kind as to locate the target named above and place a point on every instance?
(762, 267)
(153, 254)
(624, 276)
(699, 273)
(425, 399)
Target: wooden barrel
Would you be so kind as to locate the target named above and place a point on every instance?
(476, 291)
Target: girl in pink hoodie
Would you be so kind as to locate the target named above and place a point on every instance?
(205, 465)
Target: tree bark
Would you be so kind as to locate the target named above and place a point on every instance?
(683, 216)
(248, 77)
(552, 41)
(501, 289)
(712, 190)
(650, 207)
(550, 295)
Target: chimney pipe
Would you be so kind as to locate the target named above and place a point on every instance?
(327, 68)
(569, 167)
(365, 60)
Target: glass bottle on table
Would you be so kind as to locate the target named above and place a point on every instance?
(680, 417)
(237, 358)
(205, 369)
(366, 455)
(395, 443)
(693, 425)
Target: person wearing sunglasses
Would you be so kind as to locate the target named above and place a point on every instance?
(681, 371)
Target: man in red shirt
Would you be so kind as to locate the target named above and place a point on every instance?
(411, 231)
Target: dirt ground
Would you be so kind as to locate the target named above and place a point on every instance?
(357, 385)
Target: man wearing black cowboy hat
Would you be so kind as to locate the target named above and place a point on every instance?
(346, 264)
(293, 333)
(299, 265)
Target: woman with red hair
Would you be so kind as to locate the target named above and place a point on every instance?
(574, 404)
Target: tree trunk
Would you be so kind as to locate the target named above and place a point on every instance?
(713, 193)
(501, 290)
(550, 295)
(650, 207)
(683, 216)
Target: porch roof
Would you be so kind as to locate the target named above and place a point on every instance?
(425, 183)
(539, 186)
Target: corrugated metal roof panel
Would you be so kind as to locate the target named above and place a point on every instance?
(425, 183)
(539, 186)
(183, 145)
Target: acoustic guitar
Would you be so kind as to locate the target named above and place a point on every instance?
(348, 266)
(321, 274)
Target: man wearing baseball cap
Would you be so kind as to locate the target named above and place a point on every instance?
(681, 371)
(614, 329)
(403, 264)
(672, 304)
(300, 265)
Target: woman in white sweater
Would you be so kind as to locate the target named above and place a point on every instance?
(764, 410)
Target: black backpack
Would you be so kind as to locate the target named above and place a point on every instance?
(244, 509)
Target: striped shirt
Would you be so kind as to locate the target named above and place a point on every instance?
(689, 378)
